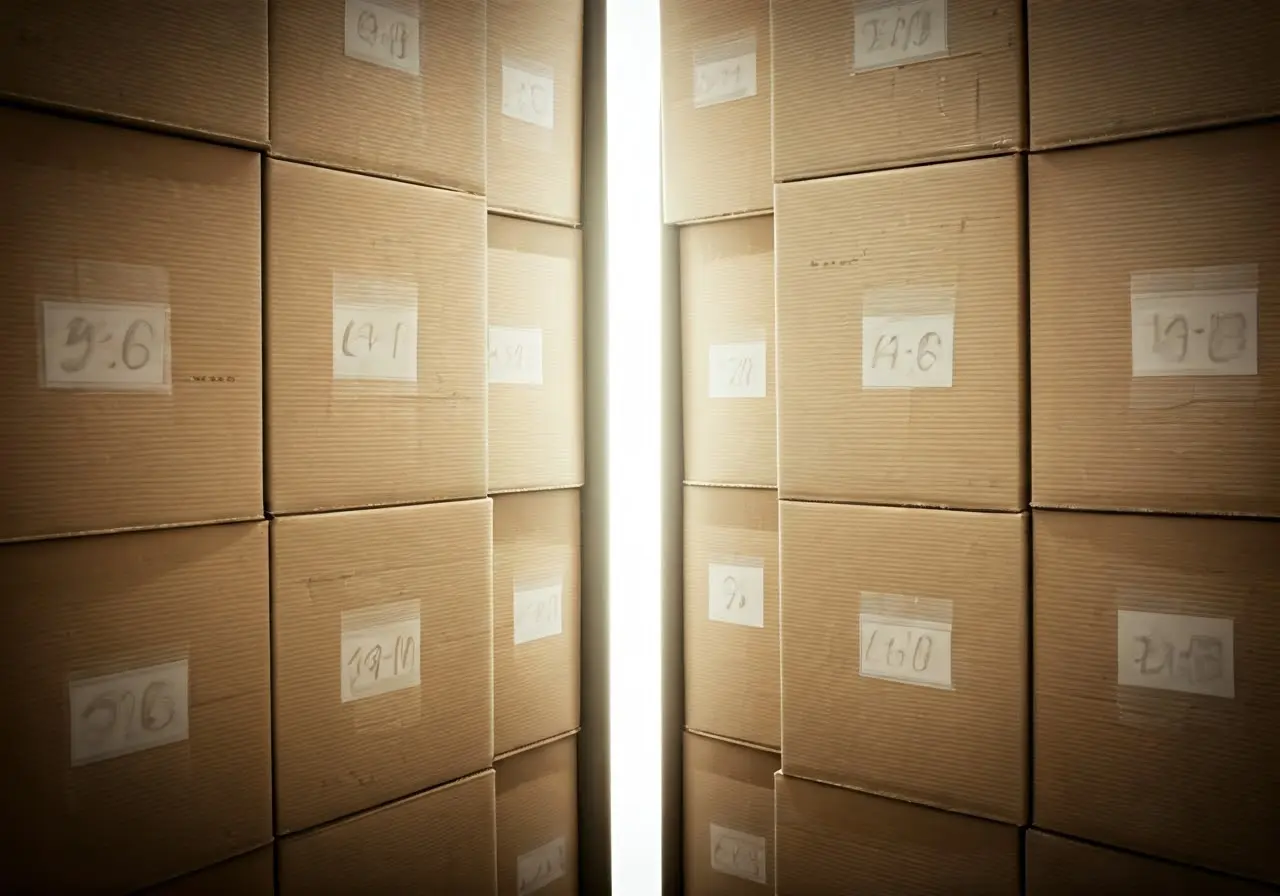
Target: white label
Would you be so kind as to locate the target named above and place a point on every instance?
(1192, 654)
(93, 345)
(908, 351)
(539, 867)
(741, 855)
(538, 613)
(735, 594)
(383, 37)
(382, 657)
(515, 356)
(529, 94)
(898, 33)
(375, 342)
(737, 370)
(913, 651)
(1195, 333)
(724, 72)
(129, 711)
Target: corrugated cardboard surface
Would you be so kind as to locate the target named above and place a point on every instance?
(832, 842)
(198, 67)
(336, 755)
(1171, 773)
(535, 133)
(77, 609)
(335, 443)
(962, 748)
(830, 119)
(538, 820)
(386, 118)
(1057, 866)
(716, 151)
(728, 818)
(441, 841)
(726, 298)
(252, 874)
(537, 545)
(1102, 71)
(535, 424)
(896, 247)
(1101, 437)
(103, 215)
(731, 685)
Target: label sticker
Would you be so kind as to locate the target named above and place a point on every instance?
(529, 93)
(104, 347)
(741, 855)
(383, 36)
(908, 351)
(112, 715)
(538, 613)
(735, 594)
(891, 34)
(1191, 654)
(905, 639)
(1212, 333)
(375, 329)
(540, 867)
(737, 370)
(724, 71)
(515, 356)
(381, 650)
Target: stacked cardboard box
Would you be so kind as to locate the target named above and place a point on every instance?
(188, 321)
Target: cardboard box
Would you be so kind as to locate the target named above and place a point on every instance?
(375, 341)
(716, 92)
(383, 676)
(1155, 359)
(537, 562)
(728, 818)
(1157, 724)
(902, 337)
(1057, 866)
(252, 874)
(137, 675)
(130, 385)
(836, 841)
(730, 357)
(904, 654)
(199, 68)
(534, 356)
(535, 108)
(731, 686)
(538, 820)
(395, 87)
(441, 841)
(1103, 71)
(864, 85)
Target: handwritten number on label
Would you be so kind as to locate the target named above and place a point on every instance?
(903, 32)
(134, 354)
(925, 355)
(1201, 663)
(395, 41)
(357, 333)
(369, 661)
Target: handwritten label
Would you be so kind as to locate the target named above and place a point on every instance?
(375, 343)
(529, 93)
(1195, 333)
(1192, 654)
(515, 356)
(912, 651)
(738, 854)
(908, 351)
(538, 613)
(381, 650)
(383, 36)
(94, 345)
(737, 370)
(724, 72)
(735, 594)
(540, 867)
(893, 34)
(113, 715)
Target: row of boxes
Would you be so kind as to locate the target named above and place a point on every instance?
(480, 97)
(801, 89)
